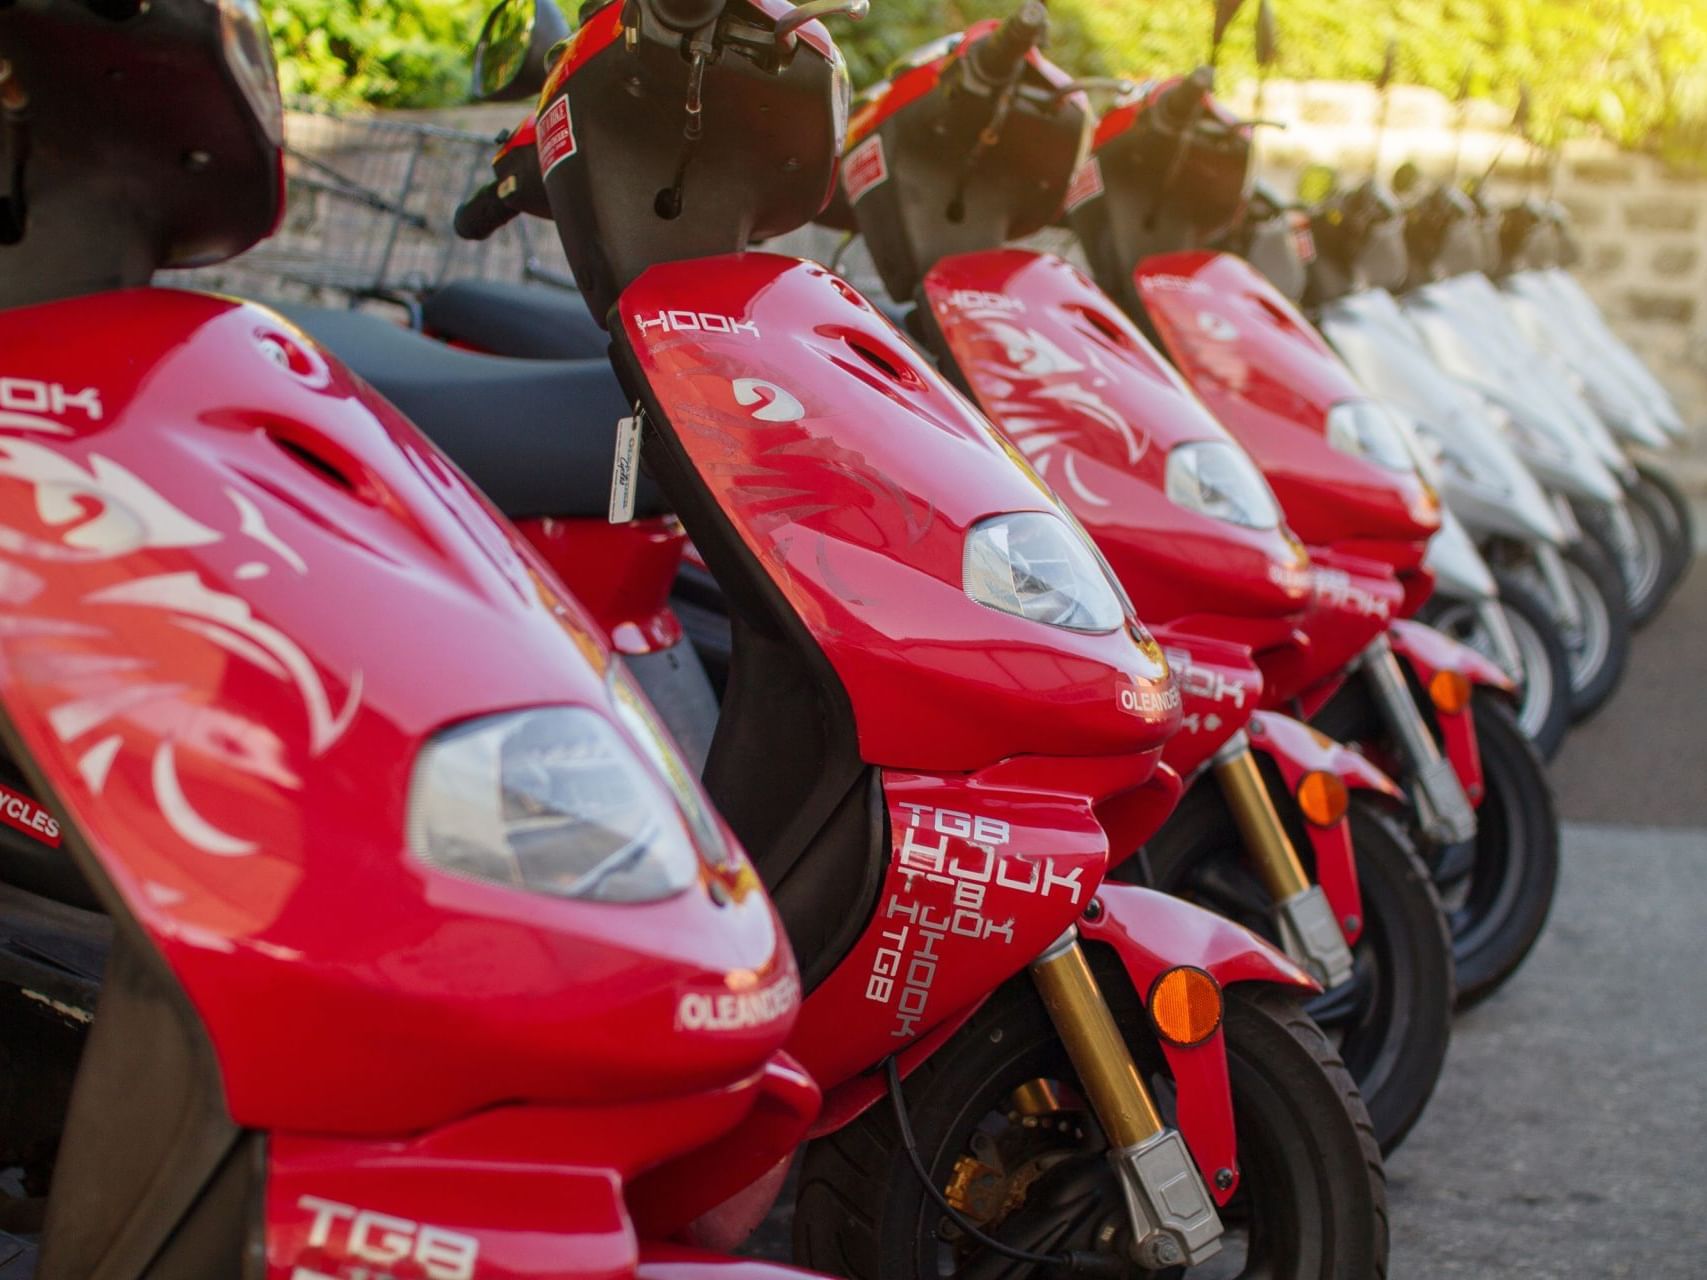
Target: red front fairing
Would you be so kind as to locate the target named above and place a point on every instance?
(240, 592)
(1352, 601)
(528, 1192)
(1096, 410)
(1220, 689)
(1268, 377)
(851, 473)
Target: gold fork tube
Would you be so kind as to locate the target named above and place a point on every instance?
(1265, 837)
(1094, 1044)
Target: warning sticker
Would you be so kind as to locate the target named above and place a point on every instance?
(864, 167)
(1087, 182)
(555, 136)
(18, 810)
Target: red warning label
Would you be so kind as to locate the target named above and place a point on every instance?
(555, 136)
(19, 811)
(864, 167)
(1087, 182)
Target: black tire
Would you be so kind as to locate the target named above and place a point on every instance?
(1640, 565)
(1669, 507)
(1659, 558)
(1497, 908)
(1393, 1020)
(1312, 1195)
(1544, 710)
(1600, 648)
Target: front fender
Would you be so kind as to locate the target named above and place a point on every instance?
(1153, 933)
(1427, 652)
(1297, 750)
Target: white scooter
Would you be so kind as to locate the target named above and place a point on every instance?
(1552, 311)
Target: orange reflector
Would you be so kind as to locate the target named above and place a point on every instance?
(1450, 691)
(1323, 797)
(1185, 1005)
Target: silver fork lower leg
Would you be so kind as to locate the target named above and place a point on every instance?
(1443, 809)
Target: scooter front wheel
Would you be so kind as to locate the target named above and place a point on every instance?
(1599, 646)
(1666, 505)
(1544, 710)
(1637, 558)
(1498, 904)
(1003, 1128)
(1392, 1021)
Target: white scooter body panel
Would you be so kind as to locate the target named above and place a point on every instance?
(1484, 481)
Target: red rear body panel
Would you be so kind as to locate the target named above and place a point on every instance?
(1220, 690)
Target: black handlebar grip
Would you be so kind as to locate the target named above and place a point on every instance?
(1178, 103)
(482, 214)
(996, 57)
(686, 15)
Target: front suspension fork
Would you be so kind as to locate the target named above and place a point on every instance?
(1497, 627)
(1551, 562)
(1174, 1221)
(1309, 932)
(1443, 808)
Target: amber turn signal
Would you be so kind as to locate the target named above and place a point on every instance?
(1449, 691)
(1185, 1005)
(1323, 797)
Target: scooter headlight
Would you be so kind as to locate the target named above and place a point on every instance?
(554, 801)
(1034, 565)
(1365, 429)
(1219, 480)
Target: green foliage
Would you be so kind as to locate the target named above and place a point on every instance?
(384, 53)
(1635, 69)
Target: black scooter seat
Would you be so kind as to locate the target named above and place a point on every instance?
(530, 322)
(536, 436)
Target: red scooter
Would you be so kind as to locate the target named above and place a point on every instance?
(1167, 170)
(973, 142)
(941, 715)
(332, 942)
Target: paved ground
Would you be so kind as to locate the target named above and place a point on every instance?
(1568, 1135)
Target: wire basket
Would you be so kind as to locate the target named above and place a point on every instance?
(369, 202)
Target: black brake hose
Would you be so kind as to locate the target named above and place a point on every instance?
(1071, 1263)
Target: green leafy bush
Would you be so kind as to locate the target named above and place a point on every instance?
(382, 53)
